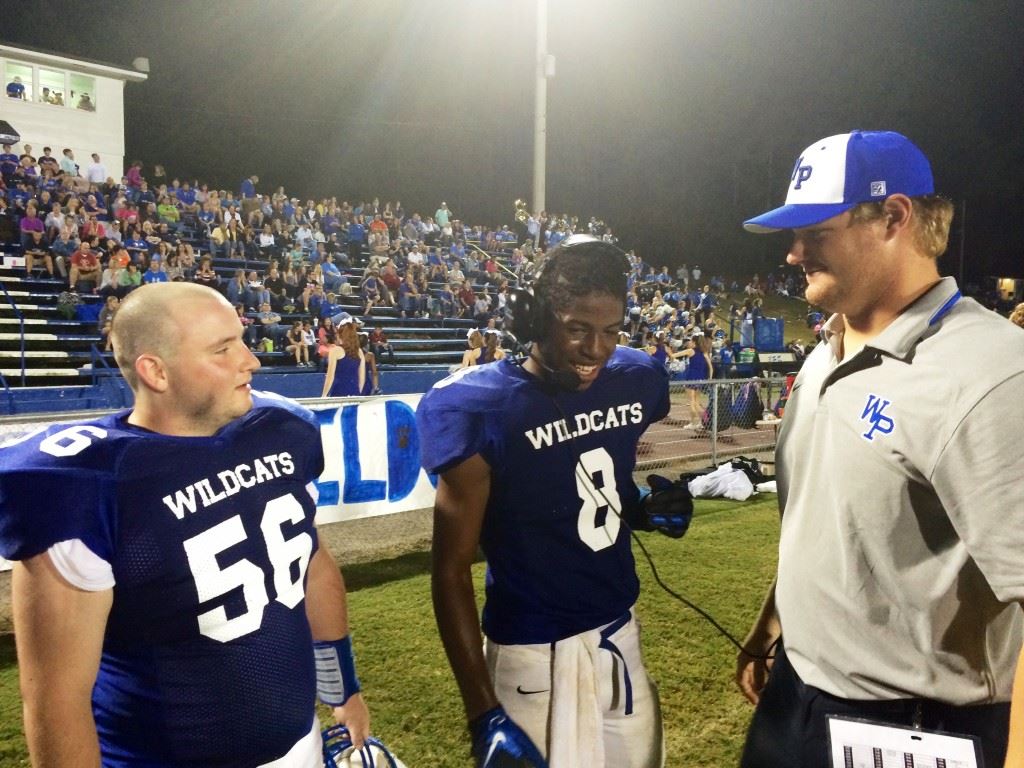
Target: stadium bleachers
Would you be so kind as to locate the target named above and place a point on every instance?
(60, 351)
(50, 337)
(55, 350)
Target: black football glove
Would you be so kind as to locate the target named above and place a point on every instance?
(668, 508)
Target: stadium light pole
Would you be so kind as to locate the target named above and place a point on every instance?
(544, 67)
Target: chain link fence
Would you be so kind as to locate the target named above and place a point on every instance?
(711, 422)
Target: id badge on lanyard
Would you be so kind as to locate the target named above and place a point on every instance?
(855, 743)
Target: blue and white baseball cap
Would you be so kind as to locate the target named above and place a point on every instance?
(835, 174)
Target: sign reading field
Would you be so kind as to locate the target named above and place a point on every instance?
(371, 461)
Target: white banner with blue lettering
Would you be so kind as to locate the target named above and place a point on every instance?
(371, 460)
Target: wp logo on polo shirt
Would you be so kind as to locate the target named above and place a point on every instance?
(874, 412)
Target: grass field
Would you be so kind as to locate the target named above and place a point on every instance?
(723, 564)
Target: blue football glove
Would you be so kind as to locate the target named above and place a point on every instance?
(500, 743)
(668, 508)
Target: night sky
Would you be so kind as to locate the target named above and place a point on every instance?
(671, 119)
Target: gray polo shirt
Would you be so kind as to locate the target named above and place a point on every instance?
(901, 485)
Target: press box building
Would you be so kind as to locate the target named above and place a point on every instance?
(66, 102)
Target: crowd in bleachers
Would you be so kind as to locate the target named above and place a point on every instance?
(674, 316)
(292, 268)
(288, 266)
(280, 260)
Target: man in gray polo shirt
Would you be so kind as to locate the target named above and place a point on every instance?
(899, 473)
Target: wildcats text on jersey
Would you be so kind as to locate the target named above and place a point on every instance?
(228, 483)
(593, 421)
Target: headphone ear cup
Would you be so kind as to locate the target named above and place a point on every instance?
(539, 319)
(520, 314)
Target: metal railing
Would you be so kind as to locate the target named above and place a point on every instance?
(98, 363)
(8, 392)
(21, 330)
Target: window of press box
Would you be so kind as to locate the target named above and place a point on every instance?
(52, 89)
(18, 80)
(83, 92)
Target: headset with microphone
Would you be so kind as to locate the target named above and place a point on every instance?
(528, 314)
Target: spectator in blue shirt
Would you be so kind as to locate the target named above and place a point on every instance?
(329, 223)
(19, 196)
(458, 250)
(137, 246)
(446, 300)
(187, 199)
(15, 89)
(155, 273)
(705, 304)
(316, 301)
(332, 275)
(8, 161)
(65, 244)
(329, 306)
(248, 189)
(356, 238)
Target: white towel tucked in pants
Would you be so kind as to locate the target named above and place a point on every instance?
(572, 702)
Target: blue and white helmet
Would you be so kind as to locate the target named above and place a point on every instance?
(339, 752)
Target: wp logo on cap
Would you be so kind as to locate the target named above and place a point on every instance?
(801, 173)
(835, 174)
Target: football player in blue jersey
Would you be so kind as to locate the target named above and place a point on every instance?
(173, 604)
(535, 462)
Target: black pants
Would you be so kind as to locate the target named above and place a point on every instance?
(790, 729)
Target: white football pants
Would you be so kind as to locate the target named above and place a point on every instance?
(524, 675)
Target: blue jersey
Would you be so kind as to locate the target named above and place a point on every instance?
(559, 561)
(207, 658)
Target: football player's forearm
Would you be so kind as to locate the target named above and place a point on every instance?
(459, 625)
(59, 631)
(61, 733)
(459, 509)
(326, 598)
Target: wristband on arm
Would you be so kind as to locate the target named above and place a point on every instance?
(336, 679)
